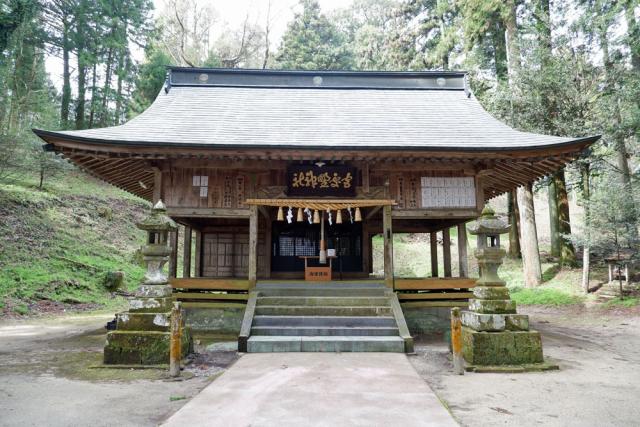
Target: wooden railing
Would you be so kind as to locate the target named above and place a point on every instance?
(209, 292)
(434, 292)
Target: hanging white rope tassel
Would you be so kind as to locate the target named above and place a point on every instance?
(290, 215)
(330, 217)
(309, 215)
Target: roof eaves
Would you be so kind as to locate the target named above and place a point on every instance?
(44, 135)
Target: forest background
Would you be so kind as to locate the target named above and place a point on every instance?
(565, 68)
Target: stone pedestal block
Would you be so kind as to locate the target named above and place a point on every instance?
(141, 347)
(492, 306)
(501, 348)
(150, 304)
(495, 322)
(126, 321)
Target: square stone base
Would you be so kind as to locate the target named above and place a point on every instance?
(141, 347)
(501, 348)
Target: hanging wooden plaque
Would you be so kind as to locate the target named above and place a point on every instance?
(326, 180)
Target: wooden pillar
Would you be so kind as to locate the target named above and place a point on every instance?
(463, 260)
(186, 258)
(446, 251)
(157, 185)
(388, 246)
(198, 255)
(267, 248)
(366, 249)
(433, 241)
(253, 245)
(173, 259)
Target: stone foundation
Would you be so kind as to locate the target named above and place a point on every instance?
(501, 348)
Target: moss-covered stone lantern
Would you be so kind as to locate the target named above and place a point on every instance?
(157, 250)
(142, 333)
(493, 334)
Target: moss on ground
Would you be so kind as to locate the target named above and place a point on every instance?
(59, 243)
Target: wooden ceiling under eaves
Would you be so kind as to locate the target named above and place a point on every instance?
(132, 168)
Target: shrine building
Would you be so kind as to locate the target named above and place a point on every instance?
(287, 177)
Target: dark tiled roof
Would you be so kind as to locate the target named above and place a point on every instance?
(319, 110)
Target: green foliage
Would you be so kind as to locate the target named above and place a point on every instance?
(543, 296)
(56, 245)
(626, 302)
(150, 79)
(312, 42)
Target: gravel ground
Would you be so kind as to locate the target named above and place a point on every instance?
(48, 376)
(597, 385)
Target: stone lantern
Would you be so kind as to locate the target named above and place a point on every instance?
(142, 333)
(492, 332)
(157, 250)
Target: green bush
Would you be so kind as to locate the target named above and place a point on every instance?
(21, 309)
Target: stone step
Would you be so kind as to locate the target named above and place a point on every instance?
(324, 300)
(322, 310)
(274, 344)
(325, 321)
(322, 292)
(326, 331)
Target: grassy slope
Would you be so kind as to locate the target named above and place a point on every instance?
(58, 243)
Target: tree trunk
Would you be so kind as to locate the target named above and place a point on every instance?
(92, 108)
(511, 39)
(622, 154)
(633, 34)
(567, 251)
(80, 44)
(106, 88)
(586, 258)
(500, 58)
(554, 233)
(529, 238)
(66, 78)
(514, 221)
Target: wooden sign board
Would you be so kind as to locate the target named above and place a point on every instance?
(326, 180)
(448, 192)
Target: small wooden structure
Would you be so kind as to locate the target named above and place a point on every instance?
(230, 151)
(317, 273)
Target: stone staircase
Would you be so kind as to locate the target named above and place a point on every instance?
(332, 317)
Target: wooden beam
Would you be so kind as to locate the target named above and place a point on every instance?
(157, 186)
(446, 251)
(434, 296)
(434, 283)
(173, 260)
(387, 232)
(463, 261)
(435, 213)
(253, 246)
(198, 260)
(372, 212)
(433, 242)
(208, 212)
(210, 284)
(186, 259)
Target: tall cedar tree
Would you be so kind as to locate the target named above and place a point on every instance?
(312, 42)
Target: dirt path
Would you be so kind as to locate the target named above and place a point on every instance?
(48, 377)
(597, 384)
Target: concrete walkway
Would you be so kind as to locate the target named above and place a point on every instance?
(316, 389)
